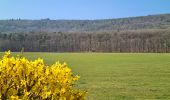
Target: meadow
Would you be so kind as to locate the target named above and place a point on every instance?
(120, 76)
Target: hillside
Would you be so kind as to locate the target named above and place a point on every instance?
(46, 25)
(134, 34)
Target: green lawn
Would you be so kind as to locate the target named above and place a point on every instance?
(120, 76)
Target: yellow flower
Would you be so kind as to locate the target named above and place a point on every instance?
(33, 79)
(7, 53)
(14, 98)
(23, 82)
(63, 90)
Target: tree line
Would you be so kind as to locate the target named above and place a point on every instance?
(148, 40)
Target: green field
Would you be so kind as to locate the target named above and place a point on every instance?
(120, 76)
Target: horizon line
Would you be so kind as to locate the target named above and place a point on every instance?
(85, 19)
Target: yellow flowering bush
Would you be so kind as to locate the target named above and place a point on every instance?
(21, 79)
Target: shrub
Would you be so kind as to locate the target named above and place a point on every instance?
(33, 80)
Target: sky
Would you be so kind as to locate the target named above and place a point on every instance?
(81, 9)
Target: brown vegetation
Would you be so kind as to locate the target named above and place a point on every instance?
(150, 40)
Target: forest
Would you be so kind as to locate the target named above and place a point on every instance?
(134, 34)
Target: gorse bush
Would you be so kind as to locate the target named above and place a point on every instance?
(33, 80)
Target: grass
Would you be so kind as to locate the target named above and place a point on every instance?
(120, 76)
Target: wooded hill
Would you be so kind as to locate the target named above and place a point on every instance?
(47, 25)
(136, 34)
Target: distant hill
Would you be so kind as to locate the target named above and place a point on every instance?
(46, 25)
(134, 34)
